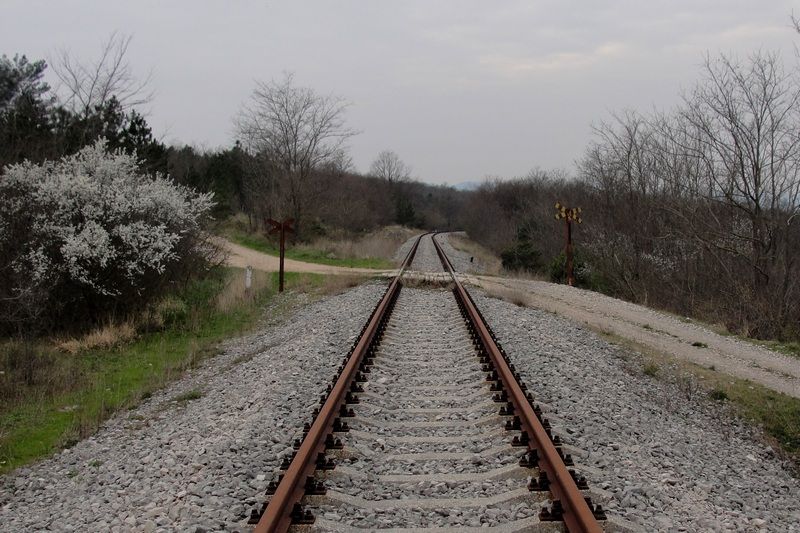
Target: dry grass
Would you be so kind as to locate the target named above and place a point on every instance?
(235, 292)
(382, 244)
(427, 283)
(171, 310)
(102, 337)
(524, 275)
(517, 297)
(339, 284)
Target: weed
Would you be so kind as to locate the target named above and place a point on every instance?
(651, 369)
(188, 396)
(102, 337)
(718, 394)
(688, 385)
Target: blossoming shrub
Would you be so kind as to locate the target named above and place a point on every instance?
(90, 235)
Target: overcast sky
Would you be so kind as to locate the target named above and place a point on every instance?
(459, 89)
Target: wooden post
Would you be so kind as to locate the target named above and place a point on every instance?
(569, 215)
(282, 228)
(570, 272)
(282, 254)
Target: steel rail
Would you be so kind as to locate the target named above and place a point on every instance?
(277, 515)
(577, 515)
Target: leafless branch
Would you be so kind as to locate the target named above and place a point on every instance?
(87, 85)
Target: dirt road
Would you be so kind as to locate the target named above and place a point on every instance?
(240, 256)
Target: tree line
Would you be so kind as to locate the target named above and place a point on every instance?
(99, 218)
(694, 209)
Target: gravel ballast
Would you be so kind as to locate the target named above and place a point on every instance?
(658, 454)
(396, 471)
(671, 459)
(427, 260)
(182, 465)
(462, 261)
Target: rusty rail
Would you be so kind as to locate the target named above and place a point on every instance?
(577, 513)
(283, 507)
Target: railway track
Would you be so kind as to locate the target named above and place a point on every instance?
(426, 425)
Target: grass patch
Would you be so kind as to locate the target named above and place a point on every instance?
(777, 413)
(370, 251)
(786, 348)
(51, 398)
(698, 344)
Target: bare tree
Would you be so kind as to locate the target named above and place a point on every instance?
(87, 85)
(299, 131)
(744, 119)
(388, 166)
(705, 202)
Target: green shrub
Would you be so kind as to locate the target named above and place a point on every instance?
(585, 276)
(522, 256)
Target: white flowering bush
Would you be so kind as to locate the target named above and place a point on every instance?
(90, 234)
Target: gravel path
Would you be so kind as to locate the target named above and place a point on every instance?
(660, 331)
(672, 461)
(195, 465)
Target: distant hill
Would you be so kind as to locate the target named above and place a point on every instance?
(467, 185)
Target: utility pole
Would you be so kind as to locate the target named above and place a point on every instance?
(282, 228)
(569, 215)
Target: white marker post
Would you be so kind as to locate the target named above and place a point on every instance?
(248, 278)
